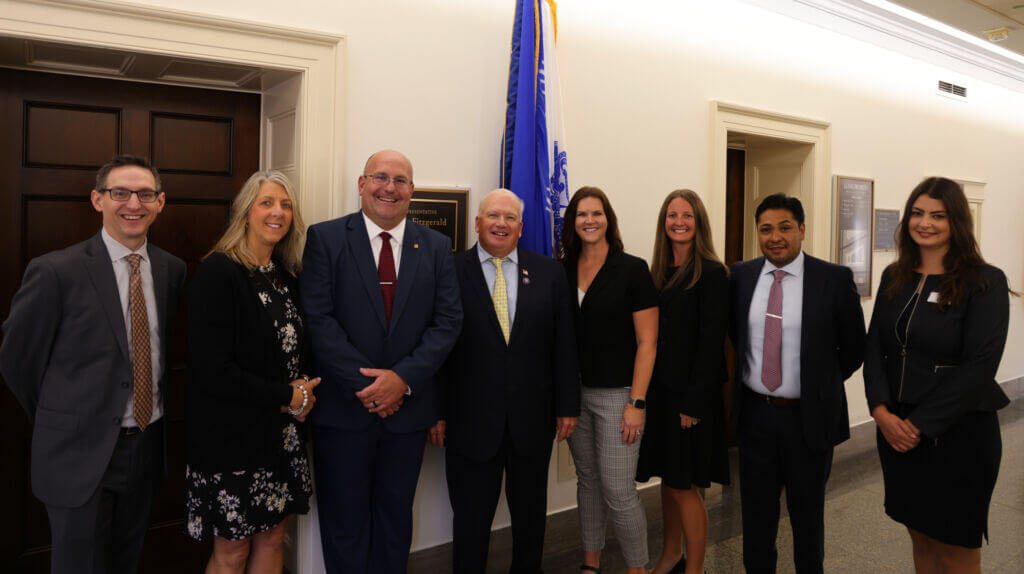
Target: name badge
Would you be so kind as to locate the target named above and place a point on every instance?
(933, 297)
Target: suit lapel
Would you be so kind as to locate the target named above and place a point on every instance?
(101, 272)
(407, 271)
(158, 266)
(361, 252)
(521, 297)
(813, 284)
(606, 272)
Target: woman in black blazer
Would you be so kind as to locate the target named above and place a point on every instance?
(247, 468)
(935, 341)
(616, 335)
(684, 442)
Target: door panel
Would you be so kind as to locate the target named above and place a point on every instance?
(55, 131)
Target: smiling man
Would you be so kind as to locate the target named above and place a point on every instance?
(382, 308)
(511, 387)
(798, 331)
(85, 350)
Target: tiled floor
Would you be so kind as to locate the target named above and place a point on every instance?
(859, 537)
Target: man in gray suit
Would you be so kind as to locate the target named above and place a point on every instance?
(85, 349)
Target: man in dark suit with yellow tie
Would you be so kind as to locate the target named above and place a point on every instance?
(85, 351)
(382, 309)
(511, 387)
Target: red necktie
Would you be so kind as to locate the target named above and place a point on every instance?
(771, 359)
(386, 273)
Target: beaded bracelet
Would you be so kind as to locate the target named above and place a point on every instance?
(305, 401)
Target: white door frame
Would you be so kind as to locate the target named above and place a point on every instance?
(726, 118)
(129, 27)
(315, 57)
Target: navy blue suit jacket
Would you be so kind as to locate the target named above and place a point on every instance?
(523, 385)
(341, 297)
(831, 345)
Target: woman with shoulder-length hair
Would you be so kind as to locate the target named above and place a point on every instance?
(935, 341)
(247, 392)
(685, 439)
(617, 334)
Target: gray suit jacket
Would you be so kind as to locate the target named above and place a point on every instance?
(65, 357)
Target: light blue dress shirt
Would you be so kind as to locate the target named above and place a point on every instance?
(792, 320)
(510, 269)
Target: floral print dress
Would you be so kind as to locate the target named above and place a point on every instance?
(241, 503)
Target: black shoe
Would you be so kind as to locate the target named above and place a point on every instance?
(679, 567)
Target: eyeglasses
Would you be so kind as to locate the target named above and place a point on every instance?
(122, 194)
(382, 179)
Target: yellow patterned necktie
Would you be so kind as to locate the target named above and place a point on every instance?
(500, 296)
(142, 365)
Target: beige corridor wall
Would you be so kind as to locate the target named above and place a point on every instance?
(428, 78)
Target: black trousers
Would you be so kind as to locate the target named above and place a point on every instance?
(474, 487)
(105, 535)
(366, 483)
(773, 456)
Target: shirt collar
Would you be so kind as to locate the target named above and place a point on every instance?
(482, 253)
(794, 267)
(117, 250)
(397, 233)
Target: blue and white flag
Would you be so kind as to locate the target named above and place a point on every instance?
(533, 156)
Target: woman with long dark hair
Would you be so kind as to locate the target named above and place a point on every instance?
(935, 341)
(617, 334)
(685, 439)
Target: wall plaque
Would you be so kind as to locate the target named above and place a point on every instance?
(854, 202)
(442, 210)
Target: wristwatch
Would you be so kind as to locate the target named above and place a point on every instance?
(637, 403)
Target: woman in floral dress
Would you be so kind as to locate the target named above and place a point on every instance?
(247, 393)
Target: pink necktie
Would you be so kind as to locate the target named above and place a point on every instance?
(771, 359)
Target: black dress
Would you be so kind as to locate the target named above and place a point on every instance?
(231, 499)
(688, 377)
(937, 369)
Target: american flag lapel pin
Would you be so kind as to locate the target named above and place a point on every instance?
(526, 277)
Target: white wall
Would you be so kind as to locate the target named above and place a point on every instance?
(428, 78)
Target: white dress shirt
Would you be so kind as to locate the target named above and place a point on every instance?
(376, 242)
(510, 269)
(792, 319)
(122, 273)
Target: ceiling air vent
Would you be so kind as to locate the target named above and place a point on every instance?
(948, 88)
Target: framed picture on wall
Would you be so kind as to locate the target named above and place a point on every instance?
(443, 210)
(886, 221)
(854, 205)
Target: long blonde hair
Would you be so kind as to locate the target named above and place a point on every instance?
(703, 248)
(233, 243)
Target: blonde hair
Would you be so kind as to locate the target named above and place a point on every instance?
(703, 248)
(234, 244)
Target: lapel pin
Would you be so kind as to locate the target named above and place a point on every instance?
(415, 245)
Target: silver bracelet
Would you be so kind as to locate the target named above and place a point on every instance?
(305, 401)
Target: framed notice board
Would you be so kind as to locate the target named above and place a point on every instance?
(854, 205)
(442, 210)
(886, 221)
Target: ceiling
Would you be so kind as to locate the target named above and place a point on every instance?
(975, 17)
(110, 63)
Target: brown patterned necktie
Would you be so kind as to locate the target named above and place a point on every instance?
(142, 363)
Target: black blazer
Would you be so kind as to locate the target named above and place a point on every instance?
(604, 324)
(831, 345)
(691, 340)
(237, 382)
(524, 384)
(951, 355)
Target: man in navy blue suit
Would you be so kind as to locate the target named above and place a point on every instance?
(511, 387)
(382, 309)
(798, 331)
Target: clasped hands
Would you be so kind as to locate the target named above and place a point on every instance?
(298, 396)
(385, 395)
(901, 434)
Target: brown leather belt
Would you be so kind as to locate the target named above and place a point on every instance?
(773, 401)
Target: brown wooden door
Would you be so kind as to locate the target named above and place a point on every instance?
(734, 228)
(55, 131)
